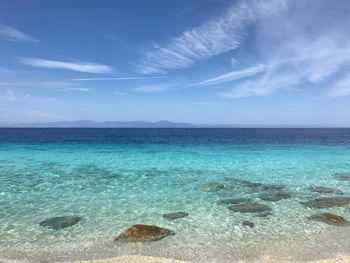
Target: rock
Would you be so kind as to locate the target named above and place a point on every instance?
(243, 182)
(212, 187)
(327, 202)
(274, 196)
(325, 190)
(269, 187)
(143, 233)
(330, 219)
(232, 201)
(248, 223)
(176, 215)
(249, 208)
(60, 222)
(342, 176)
(264, 214)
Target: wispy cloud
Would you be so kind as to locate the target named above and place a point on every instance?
(233, 75)
(10, 95)
(308, 64)
(152, 88)
(119, 78)
(59, 85)
(290, 50)
(220, 34)
(119, 93)
(75, 66)
(12, 34)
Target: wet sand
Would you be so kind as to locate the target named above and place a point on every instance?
(144, 259)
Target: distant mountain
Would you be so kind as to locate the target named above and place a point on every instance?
(143, 124)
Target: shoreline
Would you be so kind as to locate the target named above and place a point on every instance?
(148, 259)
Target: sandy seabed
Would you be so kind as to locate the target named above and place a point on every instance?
(144, 259)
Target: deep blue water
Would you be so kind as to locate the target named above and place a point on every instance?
(164, 135)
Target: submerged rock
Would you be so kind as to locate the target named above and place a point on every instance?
(264, 214)
(327, 202)
(176, 215)
(60, 222)
(249, 208)
(325, 190)
(232, 201)
(342, 176)
(243, 182)
(269, 187)
(143, 233)
(248, 223)
(274, 196)
(211, 187)
(330, 219)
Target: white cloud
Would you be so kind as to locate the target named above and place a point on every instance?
(314, 63)
(27, 96)
(12, 34)
(233, 75)
(152, 88)
(220, 34)
(77, 66)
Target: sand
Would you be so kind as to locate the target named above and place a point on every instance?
(144, 259)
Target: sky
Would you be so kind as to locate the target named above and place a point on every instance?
(266, 62)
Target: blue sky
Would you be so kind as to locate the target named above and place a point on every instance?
(214, 61)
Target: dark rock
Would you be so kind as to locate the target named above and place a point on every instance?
(232, 201)
(274, 196)
(60, 222)
(327, 202)
(269, 187)
(212, 187)
(325, 190)
(342, 176)
(172, 216)
(249, 208)
(330, 219)
(143, 233)
(264, 214)
(248, 223)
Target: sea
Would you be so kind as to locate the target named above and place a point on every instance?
(111, 179)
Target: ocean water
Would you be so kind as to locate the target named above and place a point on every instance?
(114, 178)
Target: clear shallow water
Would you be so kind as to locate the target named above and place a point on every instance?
(114, 178)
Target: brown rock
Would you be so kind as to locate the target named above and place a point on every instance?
(330, 219)
(143, 233)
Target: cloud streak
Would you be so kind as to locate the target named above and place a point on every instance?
(12, 34)
(119, 78)
(233, 75)
(77, 66)
(152, 88)
(59, 85)
(218, 35)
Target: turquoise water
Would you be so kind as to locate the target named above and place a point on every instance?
(112, 186)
